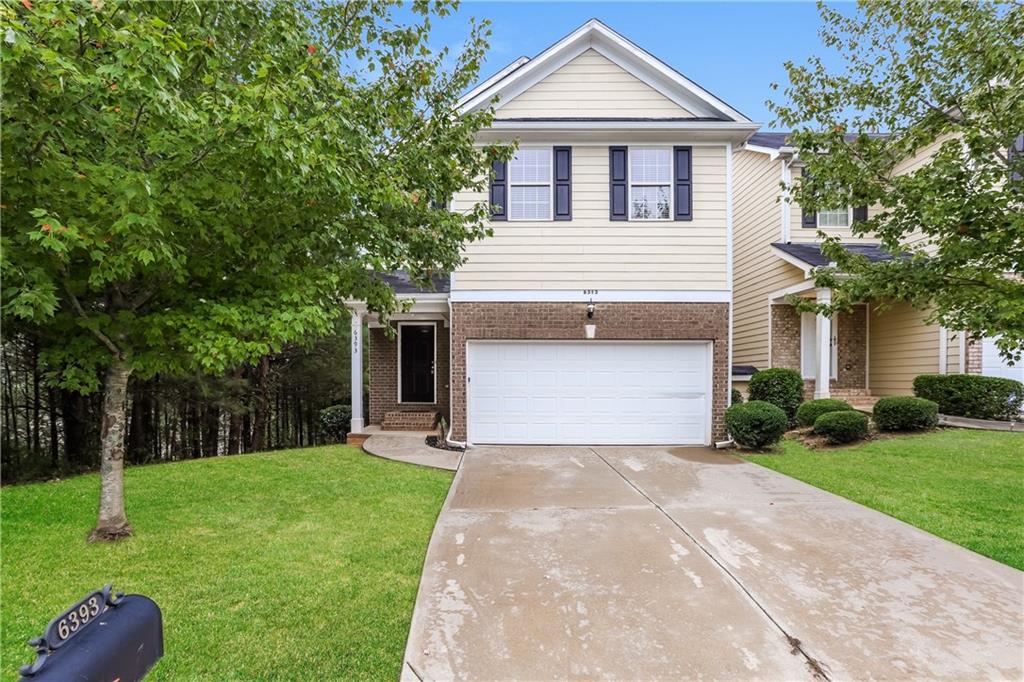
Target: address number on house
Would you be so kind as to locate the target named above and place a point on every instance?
(590, 292)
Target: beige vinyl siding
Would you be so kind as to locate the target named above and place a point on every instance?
(912, 164)
(901, 346)
(757, 222)
(590, 85)
(593, 252)
(800, 234)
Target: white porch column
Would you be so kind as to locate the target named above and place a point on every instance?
(357, 372)
(823, 348)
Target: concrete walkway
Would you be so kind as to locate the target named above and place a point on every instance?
(679, 563)
(410, 447)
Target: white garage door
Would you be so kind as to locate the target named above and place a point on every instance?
(993, 365)
(589, 392)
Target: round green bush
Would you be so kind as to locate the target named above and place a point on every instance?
(737, 397)
(781, 387)
(756, 424)
(335, 422)
(842, 427)
(809, 411)
(972, 395)
(905, 413)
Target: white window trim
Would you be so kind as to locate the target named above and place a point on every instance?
(399, 387)
(629, 185)
(849, 220)
(550, 184)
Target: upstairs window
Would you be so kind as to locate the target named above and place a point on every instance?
(835, 217)
(650, 183)
(529, 185)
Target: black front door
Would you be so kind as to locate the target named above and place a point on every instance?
(416, 345)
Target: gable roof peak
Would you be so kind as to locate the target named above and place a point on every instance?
(596, 35)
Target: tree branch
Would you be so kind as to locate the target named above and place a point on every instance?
(104, 339)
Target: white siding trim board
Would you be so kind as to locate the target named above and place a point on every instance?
(584, 295)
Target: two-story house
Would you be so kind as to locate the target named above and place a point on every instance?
(874, 350)
(641, 264)
(600, 309)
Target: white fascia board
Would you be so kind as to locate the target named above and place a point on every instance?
(577, 296)
(492, 81)
(612, 124)
(793, 260)
(770, 151)
(597, 36)
(792, 290)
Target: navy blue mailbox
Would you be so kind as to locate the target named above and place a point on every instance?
(102, 638)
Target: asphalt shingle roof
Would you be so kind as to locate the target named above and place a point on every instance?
(401, 284)
(812, 255)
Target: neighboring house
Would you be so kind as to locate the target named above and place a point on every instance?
(599, 310)
(874, 350)
(606, 307)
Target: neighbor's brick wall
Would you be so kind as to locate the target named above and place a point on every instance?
(972, 359)
(785, 337)
(852, 349)
(852, 331)
(615, 321)
(383, 353)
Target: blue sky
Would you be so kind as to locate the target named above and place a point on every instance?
(733, 49)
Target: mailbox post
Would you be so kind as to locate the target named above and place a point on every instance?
(102, 637)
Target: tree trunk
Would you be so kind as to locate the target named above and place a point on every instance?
(137, 425)
(51, 405)
(211, 430)
(36, 401)
(259, 422)
(112, 523)
(234, 433)
(72, 412)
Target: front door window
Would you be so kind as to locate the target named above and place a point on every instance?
(416, 363)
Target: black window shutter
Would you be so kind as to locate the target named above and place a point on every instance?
(860, 214)
(499, 191)
(563, 183)
(808, 218)
(683, 185)
(618, 159)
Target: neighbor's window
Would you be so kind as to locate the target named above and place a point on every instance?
(529, 185)
(838, 217)
(650, 184)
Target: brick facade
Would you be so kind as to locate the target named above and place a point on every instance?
(785, 337)
(852, 339)
(972, 358)
(852, 346)
(383, 352)
(614, 321)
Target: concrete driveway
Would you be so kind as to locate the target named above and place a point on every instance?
(671, 563)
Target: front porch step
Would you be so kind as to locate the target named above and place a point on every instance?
(409, 421)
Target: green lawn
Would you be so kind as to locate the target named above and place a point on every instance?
(965, 486)
(300, 564)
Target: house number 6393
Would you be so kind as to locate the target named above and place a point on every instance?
(77, 618)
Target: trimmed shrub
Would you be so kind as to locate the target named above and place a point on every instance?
(756, 424)
(809, 411)
(737, 397)
(781, 387)
(842, 427)
(905, 413)
(972, 395)
(335, 422)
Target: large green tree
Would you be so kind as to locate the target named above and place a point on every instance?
(943, 76)
(190, 186)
